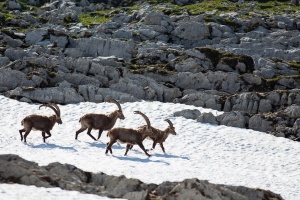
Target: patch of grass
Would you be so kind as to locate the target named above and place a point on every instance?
(277, 78)
(102, 16)
(225, 6)
(51, 70)
(9, 16)
(199, 8)
(162, 69)
(69, 20)
(151, 64)
(97, 17)
(295, 65)
(208, 5)
(251, 27)
(277, 7)
(222, 20)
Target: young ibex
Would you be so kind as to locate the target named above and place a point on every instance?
(41, 123)
(100, 122)
(159, 136)
(129, 136)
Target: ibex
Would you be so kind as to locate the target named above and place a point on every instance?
(100, 122)
(41, 123)
(159, 136)
(129, 136)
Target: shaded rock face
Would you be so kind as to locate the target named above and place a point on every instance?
(14, 169)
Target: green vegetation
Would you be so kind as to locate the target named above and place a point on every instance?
(277, 7)
(224, 6)
(270, 83)
(150, 64)
(68, 20)
(212, 8)
(295, 65)
(251, 27)
(214, 5)
(51, 70)
(277, 78)
(162, 69)
(222, 20)
(97, 17)
(6, 15)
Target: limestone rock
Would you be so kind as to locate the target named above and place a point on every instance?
(68, 177)
(264, 106)
(259, 123)
(293, 111)
(189, 114)
(61, 95)
(235, 119)
(153, 18)
(3, 61)
(248, 103)
(10, 79)
(102, 47)
(13, 42)
(191, 31)
(207, 118)
(13, 5)
(35, 36)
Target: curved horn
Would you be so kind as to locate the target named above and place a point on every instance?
(110, 100)
(170, 123)
(57, 108)
(49, 106)
(145, 117)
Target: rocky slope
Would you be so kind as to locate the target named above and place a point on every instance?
(68, 177)
(241, 58)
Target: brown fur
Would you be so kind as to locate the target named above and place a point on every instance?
(160, 136)
(40, 123)
(99, 122)
(129, 136)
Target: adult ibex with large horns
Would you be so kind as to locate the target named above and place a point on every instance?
(100, 122)
(130, 136)
(41, 123)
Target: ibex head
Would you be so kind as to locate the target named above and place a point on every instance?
(171, 127)
(119, 112)
(56, 109)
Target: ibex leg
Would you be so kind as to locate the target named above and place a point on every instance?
(21, 131)
(162, 147)
(128, 146)
(44, 137)
(153, 146)
(99, 134)
(89, 133)
(49, 135)
(79, 131)
(26, 133)
(143, 148)
(108, 148)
